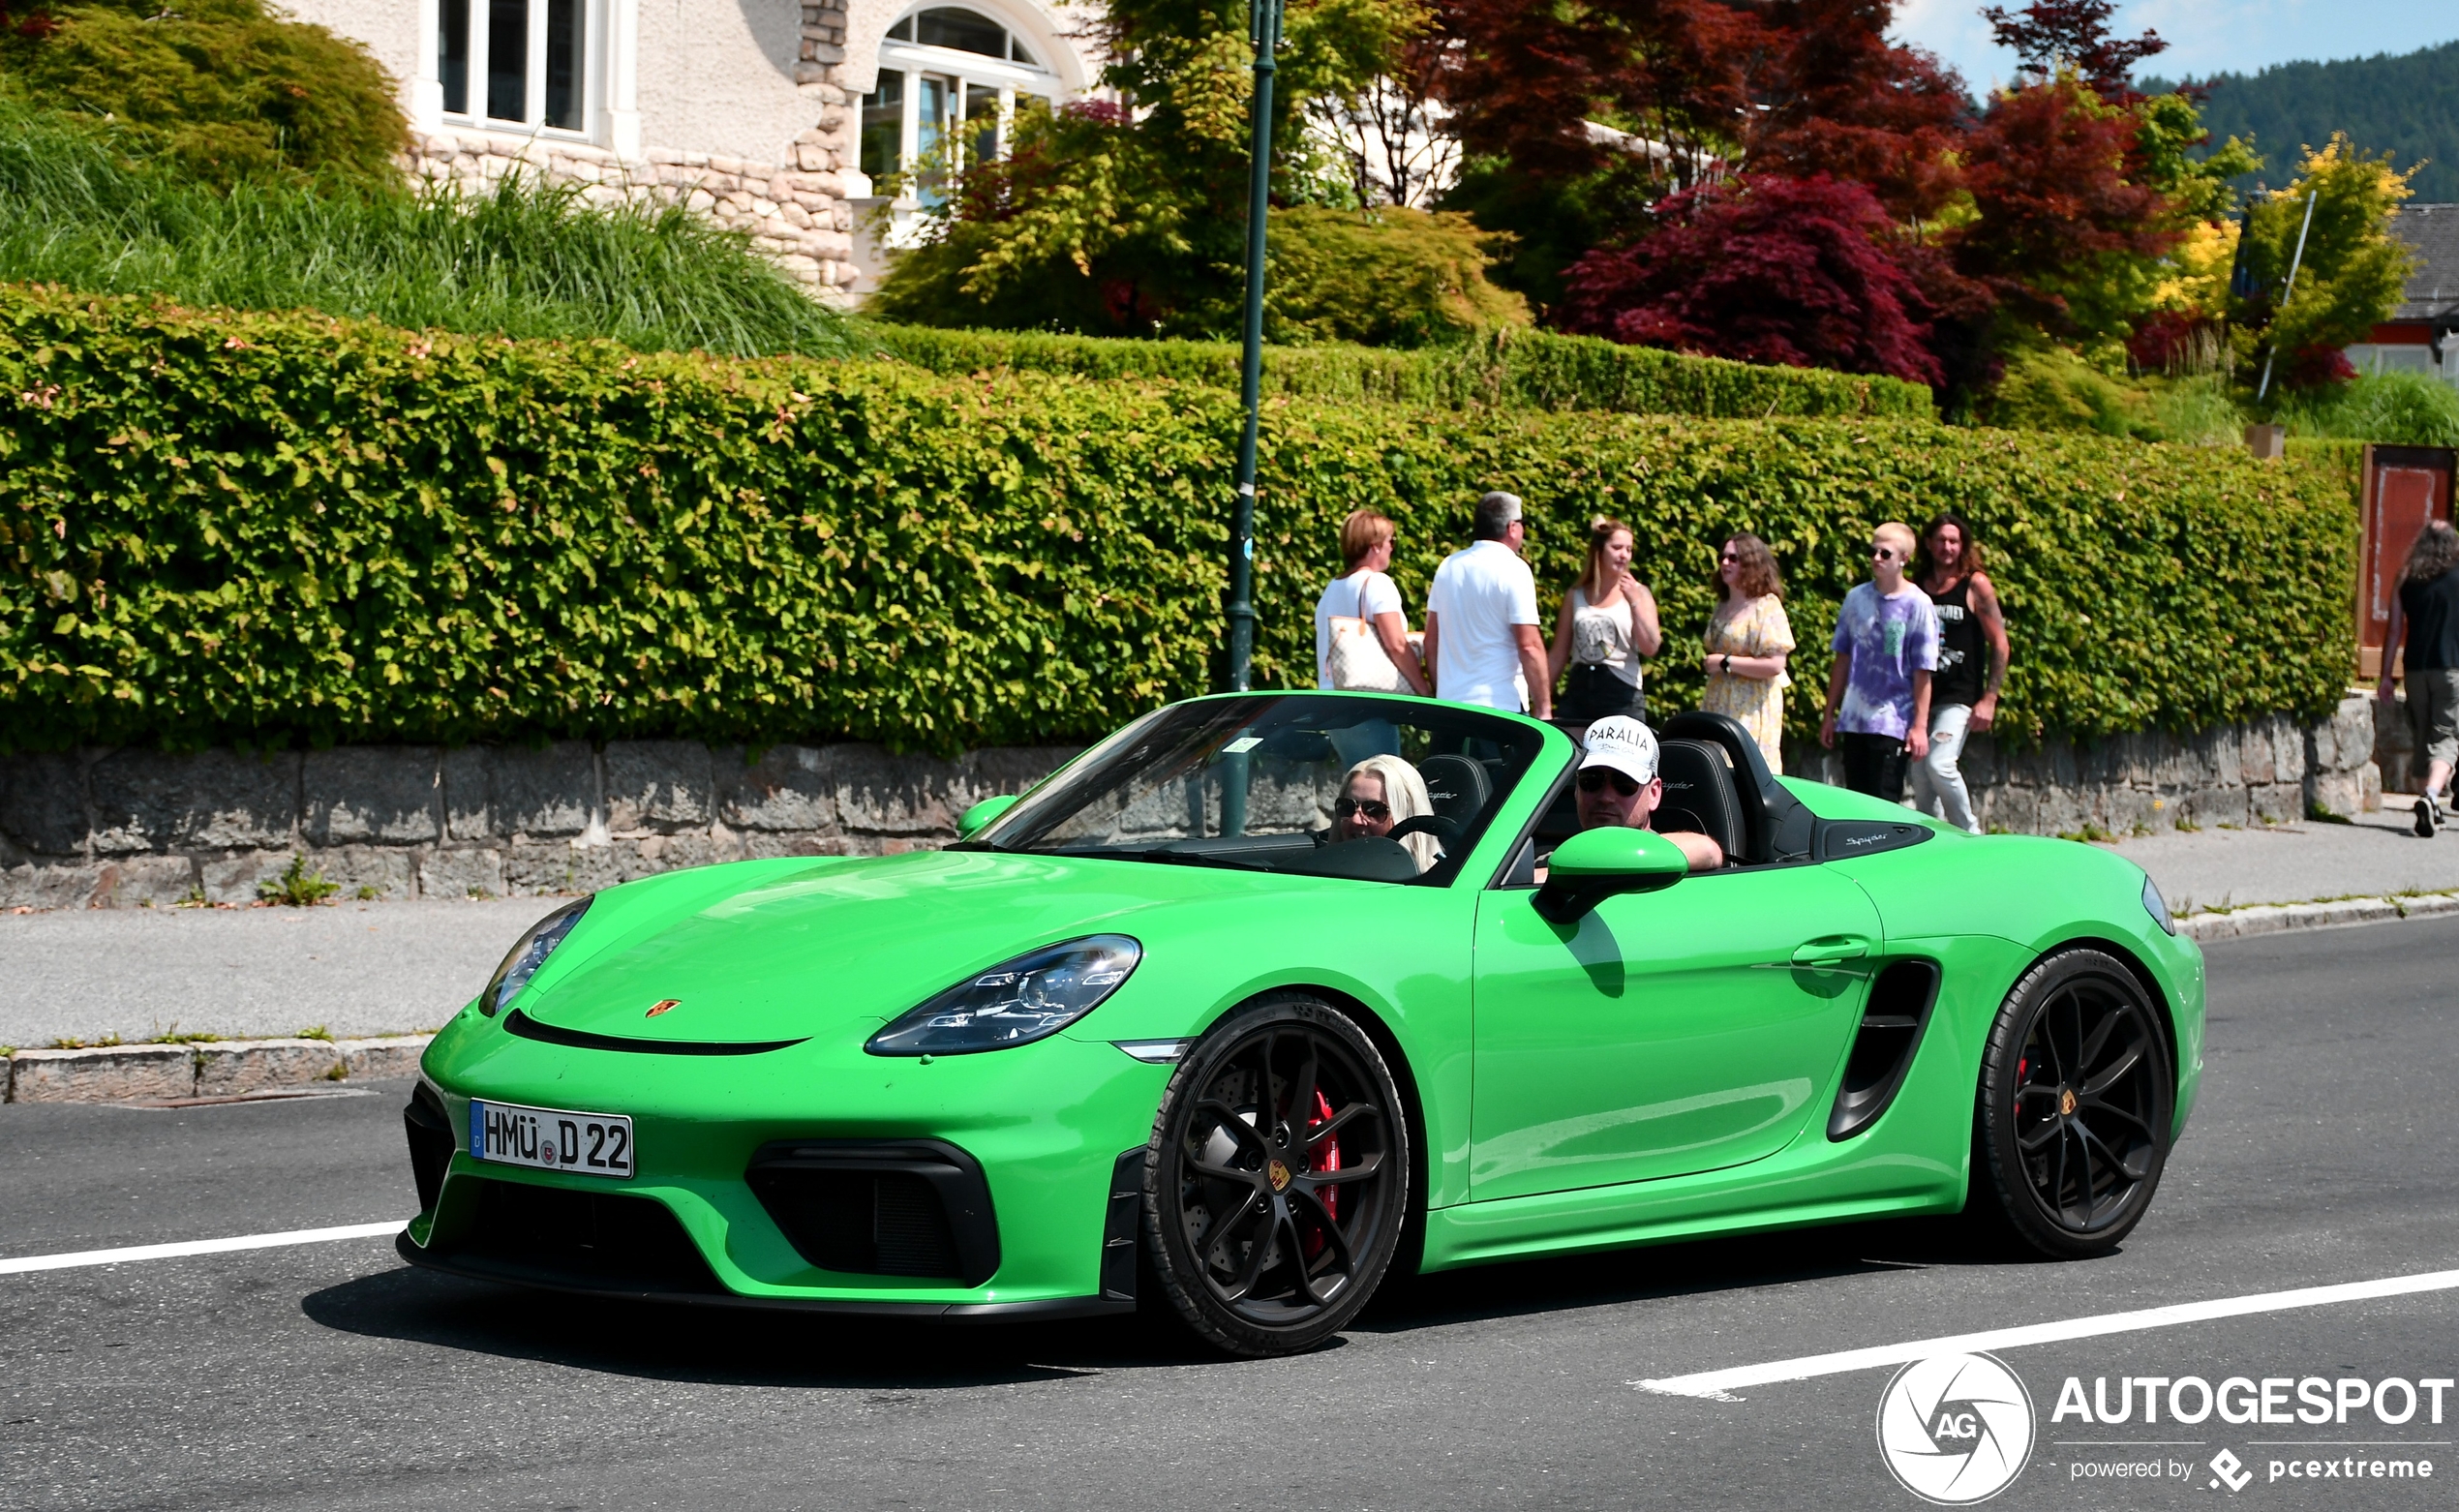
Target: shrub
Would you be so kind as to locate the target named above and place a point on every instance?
(245, 527)
(220, 88)
(2399, 409)
(1510, 369)
(523, 260)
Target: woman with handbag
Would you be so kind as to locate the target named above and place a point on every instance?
(1361, 636)
(1607, 626)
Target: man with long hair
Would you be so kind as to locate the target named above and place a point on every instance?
(1972, 665)
(2424, 629)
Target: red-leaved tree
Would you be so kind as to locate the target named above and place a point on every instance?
(1834, 97)
(1764, 270)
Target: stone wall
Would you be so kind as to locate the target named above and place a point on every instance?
(795, 212)
(131, 827)
(2269, 771)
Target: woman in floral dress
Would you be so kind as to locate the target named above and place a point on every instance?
(1749, 639)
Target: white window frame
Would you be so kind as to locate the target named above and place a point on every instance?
(963, 71)
(596, 116)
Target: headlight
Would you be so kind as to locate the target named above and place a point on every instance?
(528, 954)
(2157, 906)
(1028, 998)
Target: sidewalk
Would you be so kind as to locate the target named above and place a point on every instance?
(357, 969)
(2377, 855)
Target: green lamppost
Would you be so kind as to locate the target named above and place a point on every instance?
(1265, 32)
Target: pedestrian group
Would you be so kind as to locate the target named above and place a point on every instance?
(1920, 651)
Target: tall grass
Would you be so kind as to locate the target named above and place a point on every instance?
(2400, 409)
(525, 259)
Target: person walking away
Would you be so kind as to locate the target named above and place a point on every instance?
(1482, 620)
(1608, 624)
(1359, 617)
(1749, 639)
(2424, 624)
(1878, 691)
(1972, 665)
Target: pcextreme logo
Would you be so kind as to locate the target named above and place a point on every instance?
(1956, 1429)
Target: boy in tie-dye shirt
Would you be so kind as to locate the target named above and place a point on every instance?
(1878, 691)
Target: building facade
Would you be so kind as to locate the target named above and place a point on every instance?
(2416, 339)
(780, 118)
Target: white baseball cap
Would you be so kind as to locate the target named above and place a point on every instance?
(1623, 743)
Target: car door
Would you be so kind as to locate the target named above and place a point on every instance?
(1670, 1032)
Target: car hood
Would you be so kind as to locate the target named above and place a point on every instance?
(791, 950)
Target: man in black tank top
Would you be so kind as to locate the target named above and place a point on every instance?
(2424, 630)
(1972, 666)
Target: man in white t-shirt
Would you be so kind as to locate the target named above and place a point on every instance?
(1482, 642)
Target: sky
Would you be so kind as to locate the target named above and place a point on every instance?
(2204, 36)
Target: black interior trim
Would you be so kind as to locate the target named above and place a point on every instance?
(527, 1028)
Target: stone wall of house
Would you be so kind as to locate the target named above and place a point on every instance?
(131, 827)
(2269, 771)
(796, 211)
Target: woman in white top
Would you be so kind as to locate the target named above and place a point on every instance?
(1607, 625)
(1365, 593)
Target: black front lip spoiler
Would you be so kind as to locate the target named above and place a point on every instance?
(1048, 1309)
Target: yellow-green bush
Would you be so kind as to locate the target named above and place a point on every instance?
(267, 528)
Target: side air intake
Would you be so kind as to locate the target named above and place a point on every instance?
(1898, 1009)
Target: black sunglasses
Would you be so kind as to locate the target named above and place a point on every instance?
(1883, 552)
(1594, 778)
(1379, 812)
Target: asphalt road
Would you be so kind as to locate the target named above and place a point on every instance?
(330, 1376)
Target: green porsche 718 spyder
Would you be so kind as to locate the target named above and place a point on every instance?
(1174, 1027)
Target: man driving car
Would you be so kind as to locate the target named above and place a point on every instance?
(1619, 785)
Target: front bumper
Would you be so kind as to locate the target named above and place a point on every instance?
(1044, 1126)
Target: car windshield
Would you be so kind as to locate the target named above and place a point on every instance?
(1381, 790)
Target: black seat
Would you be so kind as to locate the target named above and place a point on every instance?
(1459, 787)
(1701, 796)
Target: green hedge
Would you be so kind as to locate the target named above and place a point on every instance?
(1511, 368)
(269, 530)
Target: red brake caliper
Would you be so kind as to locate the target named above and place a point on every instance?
(1329, 1158)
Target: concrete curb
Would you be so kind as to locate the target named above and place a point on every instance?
(2274, 918)
(212, 1069)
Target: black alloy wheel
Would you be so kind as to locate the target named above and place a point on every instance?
(2073, 1127)
(1278, 1179)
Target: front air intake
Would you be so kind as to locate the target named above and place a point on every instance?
(430, 1144)
(913, 1207)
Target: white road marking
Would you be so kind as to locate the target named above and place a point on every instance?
(1719, 1385)
(172, 1251)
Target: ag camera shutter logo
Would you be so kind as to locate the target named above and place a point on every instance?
(1956, 1429)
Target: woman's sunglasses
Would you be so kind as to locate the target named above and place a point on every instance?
(1882, 554)
(1378, 813)
(1595, 779)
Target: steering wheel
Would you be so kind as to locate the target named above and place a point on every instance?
(1436, 824)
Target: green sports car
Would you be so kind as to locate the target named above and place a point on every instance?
(1267, 994)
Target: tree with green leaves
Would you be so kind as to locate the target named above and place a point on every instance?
(1132, 221)
(2349, 279)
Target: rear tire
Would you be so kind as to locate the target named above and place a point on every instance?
(2070, 1133)
(1277, 1183)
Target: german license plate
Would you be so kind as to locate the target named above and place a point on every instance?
(546, 1138)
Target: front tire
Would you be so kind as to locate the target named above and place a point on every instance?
(2073, 1125)
(1278, 1182)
